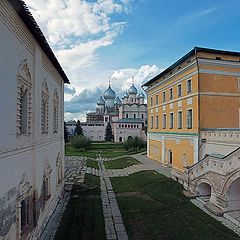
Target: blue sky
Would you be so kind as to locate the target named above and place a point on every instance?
(123, 38)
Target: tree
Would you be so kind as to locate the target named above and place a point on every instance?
(78, 130)
(108, 133)
(66, 133)
(81, 142)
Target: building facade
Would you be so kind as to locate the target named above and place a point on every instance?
(31, 125)
(127, 116)
(199, 92)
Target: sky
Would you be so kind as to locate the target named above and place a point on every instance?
(97, 41)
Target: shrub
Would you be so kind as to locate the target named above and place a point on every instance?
(81, 142)
(134, 144)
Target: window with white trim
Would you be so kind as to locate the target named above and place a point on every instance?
(164, 96)
(171, 93)
(189, 119)
(164, 120)
(55, 111)
(24, 99)
(179, 90)
(179, 120)
(189, 85)
(151, 121)
(44, 107)
(156, 121)
(171, 120)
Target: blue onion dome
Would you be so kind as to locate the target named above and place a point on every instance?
(117, 101)
(132, 90)
(109, 93)
(100, 101)
(141, 95)
(125, 95)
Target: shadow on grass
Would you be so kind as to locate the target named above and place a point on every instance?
(167, 214)
(83, 218)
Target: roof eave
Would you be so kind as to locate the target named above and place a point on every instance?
(30, 22)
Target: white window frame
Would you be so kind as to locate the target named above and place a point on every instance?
(171, 93)
(164, 120)
(187, 88)
(180, 127)
(179, 92)
(164, 96)
(171, 120)
(188, 127)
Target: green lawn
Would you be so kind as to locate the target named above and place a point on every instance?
(107, 150)
(153, 207)
(83, 218)
(121, 163)
(92, 163)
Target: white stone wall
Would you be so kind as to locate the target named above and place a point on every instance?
(95, 133)
(219, 142)
(128, 131)
(25, 156)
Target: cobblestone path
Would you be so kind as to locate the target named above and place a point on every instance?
(114, 226)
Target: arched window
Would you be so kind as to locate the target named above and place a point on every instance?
(55, 111)
(24, 99)
(44, 107)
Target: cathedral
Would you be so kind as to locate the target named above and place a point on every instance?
(127, 116)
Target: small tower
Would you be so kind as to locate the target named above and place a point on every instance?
(109, 96)
(141, 101)
(100, 105)
(132, 91)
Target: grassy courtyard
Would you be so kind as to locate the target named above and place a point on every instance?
(107, 150)
(122, 162)
(83, 218)
(92, 163)
(153, 207)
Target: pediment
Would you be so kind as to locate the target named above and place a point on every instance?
(45, 90)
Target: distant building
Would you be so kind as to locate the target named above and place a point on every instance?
(31, 125)
(194, 124)
(110, 108)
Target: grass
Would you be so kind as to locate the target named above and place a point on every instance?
(107, 150)
(154, 207)
(121, 163)
(92, 163)
(83, 218)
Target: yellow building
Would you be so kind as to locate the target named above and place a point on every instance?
(200, 91)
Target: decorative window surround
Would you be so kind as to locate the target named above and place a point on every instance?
(24, 99)
(44, 107)
(55, 111)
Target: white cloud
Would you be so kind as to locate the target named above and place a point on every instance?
(76, 29)
(85, 100)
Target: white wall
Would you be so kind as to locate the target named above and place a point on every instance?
(25, 154)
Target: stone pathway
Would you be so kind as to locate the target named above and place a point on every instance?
(75, 170)
(114, 226)
(157, 166)
(52, 225)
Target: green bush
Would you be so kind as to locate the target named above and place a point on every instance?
(80, 142)
(134, 144)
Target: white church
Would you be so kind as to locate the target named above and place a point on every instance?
(127, 116)
(31, 125)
